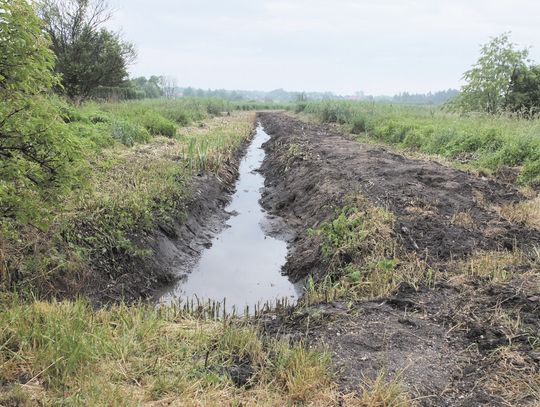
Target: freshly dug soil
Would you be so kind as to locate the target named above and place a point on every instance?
(443, 341)
(311, 169)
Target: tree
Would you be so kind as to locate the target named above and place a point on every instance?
(524, 95)
(38, 154)
(88, 56)
(168, 85)
(489, 80)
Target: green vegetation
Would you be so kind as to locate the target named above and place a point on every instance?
(84, 186)
(80, 186)
(40, 157)
(485, 142)
(524, 93)
(88, 55)
(364, 259)
(127, 191)
(70, 354)
(489, 81)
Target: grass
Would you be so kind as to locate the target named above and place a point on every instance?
(129, 189)
(69, 354)
(525, 212)
(513, 379)
(142, 157)
(487, 143)
(364, 259)
(382, 391)
(493, 266)
(208, 147)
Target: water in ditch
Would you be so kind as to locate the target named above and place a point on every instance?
(243, 264)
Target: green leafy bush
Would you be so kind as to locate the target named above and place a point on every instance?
(157, 125)
(40, 157)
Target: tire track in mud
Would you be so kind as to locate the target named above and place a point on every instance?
(439, 339)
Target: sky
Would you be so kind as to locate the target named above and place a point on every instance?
(380, 47)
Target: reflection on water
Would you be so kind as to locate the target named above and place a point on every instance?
(243, 264)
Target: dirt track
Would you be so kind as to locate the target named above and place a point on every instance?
(445, 340)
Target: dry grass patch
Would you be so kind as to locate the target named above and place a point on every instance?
(512, 378)
(464, 220)
(382, 391)
(526, 212)
(495, 266)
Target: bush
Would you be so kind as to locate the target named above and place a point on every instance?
(358, 125)
(180, 117)
(129, 133)
(40, 157)
(158, 125)
(93, 137)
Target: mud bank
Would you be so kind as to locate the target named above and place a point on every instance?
(176, 246)
(448, 341)
(311, 170)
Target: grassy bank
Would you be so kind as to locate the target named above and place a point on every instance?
(137, 161)
(366, 261)
(69, 354)
(484, 142)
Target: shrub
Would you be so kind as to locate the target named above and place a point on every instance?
(158, 125)
(39, 156)
(358, 124)
(129, 133)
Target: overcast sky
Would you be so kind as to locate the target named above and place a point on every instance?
(380, 47)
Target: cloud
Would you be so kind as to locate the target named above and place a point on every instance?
(342, 45)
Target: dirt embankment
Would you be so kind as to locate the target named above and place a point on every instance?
(176, 246)
(451, 343)
(311, 170)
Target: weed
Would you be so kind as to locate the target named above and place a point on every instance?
(364, 259)
(382, 391)
(129, 355)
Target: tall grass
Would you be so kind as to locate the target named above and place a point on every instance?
(484, 141)
(69, 354)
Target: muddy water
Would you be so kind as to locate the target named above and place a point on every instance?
(243, 264)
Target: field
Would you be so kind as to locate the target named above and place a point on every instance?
(165, 245)
(415, 270)
(487, 143)
(419, 261)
